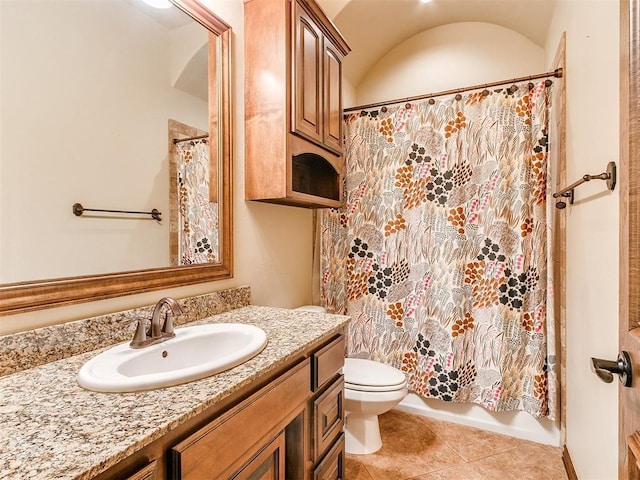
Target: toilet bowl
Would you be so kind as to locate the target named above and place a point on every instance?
(370, 389)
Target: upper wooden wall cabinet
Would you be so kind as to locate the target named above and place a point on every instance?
(293, 104)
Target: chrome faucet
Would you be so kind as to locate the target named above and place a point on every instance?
(158, 331)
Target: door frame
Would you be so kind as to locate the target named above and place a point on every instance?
(629, 167)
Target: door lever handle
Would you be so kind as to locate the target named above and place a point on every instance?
(605, 369)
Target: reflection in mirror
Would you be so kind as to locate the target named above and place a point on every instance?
(88, 93)
(194, 210)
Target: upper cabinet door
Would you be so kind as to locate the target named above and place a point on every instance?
(332, 97)
(307, 91)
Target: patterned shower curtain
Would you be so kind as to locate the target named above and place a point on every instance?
(197, 216)
(441, 253)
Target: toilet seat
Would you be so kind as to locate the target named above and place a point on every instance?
(369, 376)
(369, 388)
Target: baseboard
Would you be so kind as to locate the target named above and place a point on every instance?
(568, 464)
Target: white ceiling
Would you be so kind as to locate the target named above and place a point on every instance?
(373, 27)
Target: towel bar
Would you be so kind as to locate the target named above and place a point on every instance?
(78, 210)
(609, 176)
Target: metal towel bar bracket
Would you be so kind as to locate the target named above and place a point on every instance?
(78, 210)
(609, 176)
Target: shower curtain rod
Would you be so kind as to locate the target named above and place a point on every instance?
(556, 73)
(177, 141)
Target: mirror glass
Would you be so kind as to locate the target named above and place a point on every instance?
(101, 101)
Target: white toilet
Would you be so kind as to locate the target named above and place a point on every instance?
(370, 389)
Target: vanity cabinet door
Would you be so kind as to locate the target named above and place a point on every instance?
(268, 464)
(222, 447)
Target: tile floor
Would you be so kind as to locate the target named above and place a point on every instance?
(420, 448)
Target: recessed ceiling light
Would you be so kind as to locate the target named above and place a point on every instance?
(158, 3)
(425, 1)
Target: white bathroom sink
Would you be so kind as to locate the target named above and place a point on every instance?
(195, 352)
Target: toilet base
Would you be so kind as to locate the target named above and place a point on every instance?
(362, 434)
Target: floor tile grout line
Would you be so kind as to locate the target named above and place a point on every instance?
(425, 422)
(366, 470)
(429, 472)
(470, 460)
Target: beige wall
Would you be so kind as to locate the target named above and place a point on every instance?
(450, 56)
(592, 228)
(273, 244)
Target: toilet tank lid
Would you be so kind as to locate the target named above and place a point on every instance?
(312, 308)
(359, 371)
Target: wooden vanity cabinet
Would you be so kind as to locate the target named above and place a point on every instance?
(293, 104)
(271, 435)
(287, 426)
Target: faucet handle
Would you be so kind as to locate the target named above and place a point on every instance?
(167, 328)
(140, 337)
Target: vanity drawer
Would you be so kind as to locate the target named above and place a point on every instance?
(218, 449)
(146, 473)
(328, 417)
(332, 467)
(326, 362)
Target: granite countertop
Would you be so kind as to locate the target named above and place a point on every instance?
(51, 428)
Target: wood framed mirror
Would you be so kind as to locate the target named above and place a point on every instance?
(34, 293)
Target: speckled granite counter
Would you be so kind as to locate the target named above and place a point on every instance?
(50, 428)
